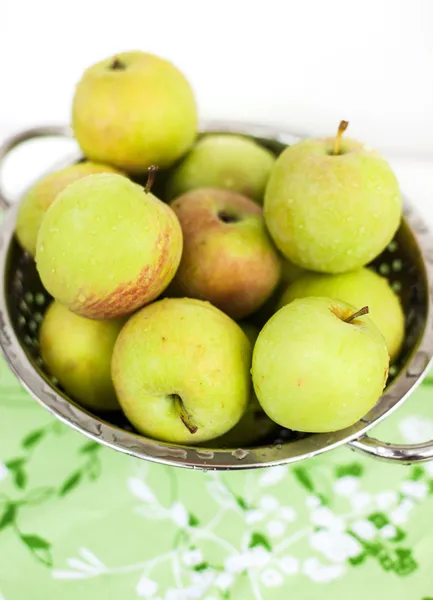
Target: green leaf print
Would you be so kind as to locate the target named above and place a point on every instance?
(193, 521)
(89, 447)
(40, 548)
(71, 482)
(416, 473)
(33, 438)
(358, 560)
(8, 516)
(38, 495)
(354, 469)
(201, 567)
(16, 467)
(378, 519)
(258, 539)
(241, 503)
(303, 478)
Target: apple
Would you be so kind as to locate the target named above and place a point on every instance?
(77, 351)
(42, 194)
(107, 246)
(180, 368)
(224, 161)
(332, 205)
(228, 257)
(319, 365)
(133, 110)
(359, 288)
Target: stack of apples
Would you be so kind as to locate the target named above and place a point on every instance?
(232, 301)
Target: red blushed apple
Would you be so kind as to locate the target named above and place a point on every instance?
(228, 257)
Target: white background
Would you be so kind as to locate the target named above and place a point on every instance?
(303, 64)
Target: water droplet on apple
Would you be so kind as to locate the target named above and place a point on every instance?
(110, 276)
(93, 261)
(93, 232)
(114, 229)
(362, 229)
(41, 248)
(81, 298)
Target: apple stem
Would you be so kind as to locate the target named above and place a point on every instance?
(359, 313)
(151, 175)
(337, 142)
(184, 416)
(117, 65)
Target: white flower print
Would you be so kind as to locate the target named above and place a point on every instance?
(415, 489)
(385, 500)
(276, 528)
(191, 558)
(400, 515)
(360, 501)
(254, 516)
(289, 565)
(345, 486)
(428, 466)
(256, 557)
(312, 502)
(179, 514)
(336, 546)
(416, 428)
(146, 588)
(288, 514)
(224, 581)
(364, 529)
(3, 474)
(388, 532)
(140, 490)
(321, 573)
(268, 503)
(324, 517)
(272, 476)
(271, 578)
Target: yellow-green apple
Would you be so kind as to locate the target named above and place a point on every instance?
(107, 246)
(319, 365)
(330, 205)
(180, 368)
(228, 257)
(224, 161)
(42, 194)
(133, 110)
(77, 351)
(359, 288)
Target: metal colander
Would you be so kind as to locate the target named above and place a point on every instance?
(407, 263)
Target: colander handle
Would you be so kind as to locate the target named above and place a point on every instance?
(397, 453)
(19, 138)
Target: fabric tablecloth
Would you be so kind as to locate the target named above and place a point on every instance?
(80, 521)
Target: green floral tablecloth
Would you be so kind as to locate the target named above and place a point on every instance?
(79, 521)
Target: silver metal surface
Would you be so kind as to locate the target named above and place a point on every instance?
(408, 263)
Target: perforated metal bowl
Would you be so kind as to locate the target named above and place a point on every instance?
(407, 262)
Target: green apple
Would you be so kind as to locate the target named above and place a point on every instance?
(318, 365)
(77, 351)
(181, 371)
(228, 256)
(224, 161)
(359, 288)
(107, 246)
(42, 194)
(332, 208)
(134, 110)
